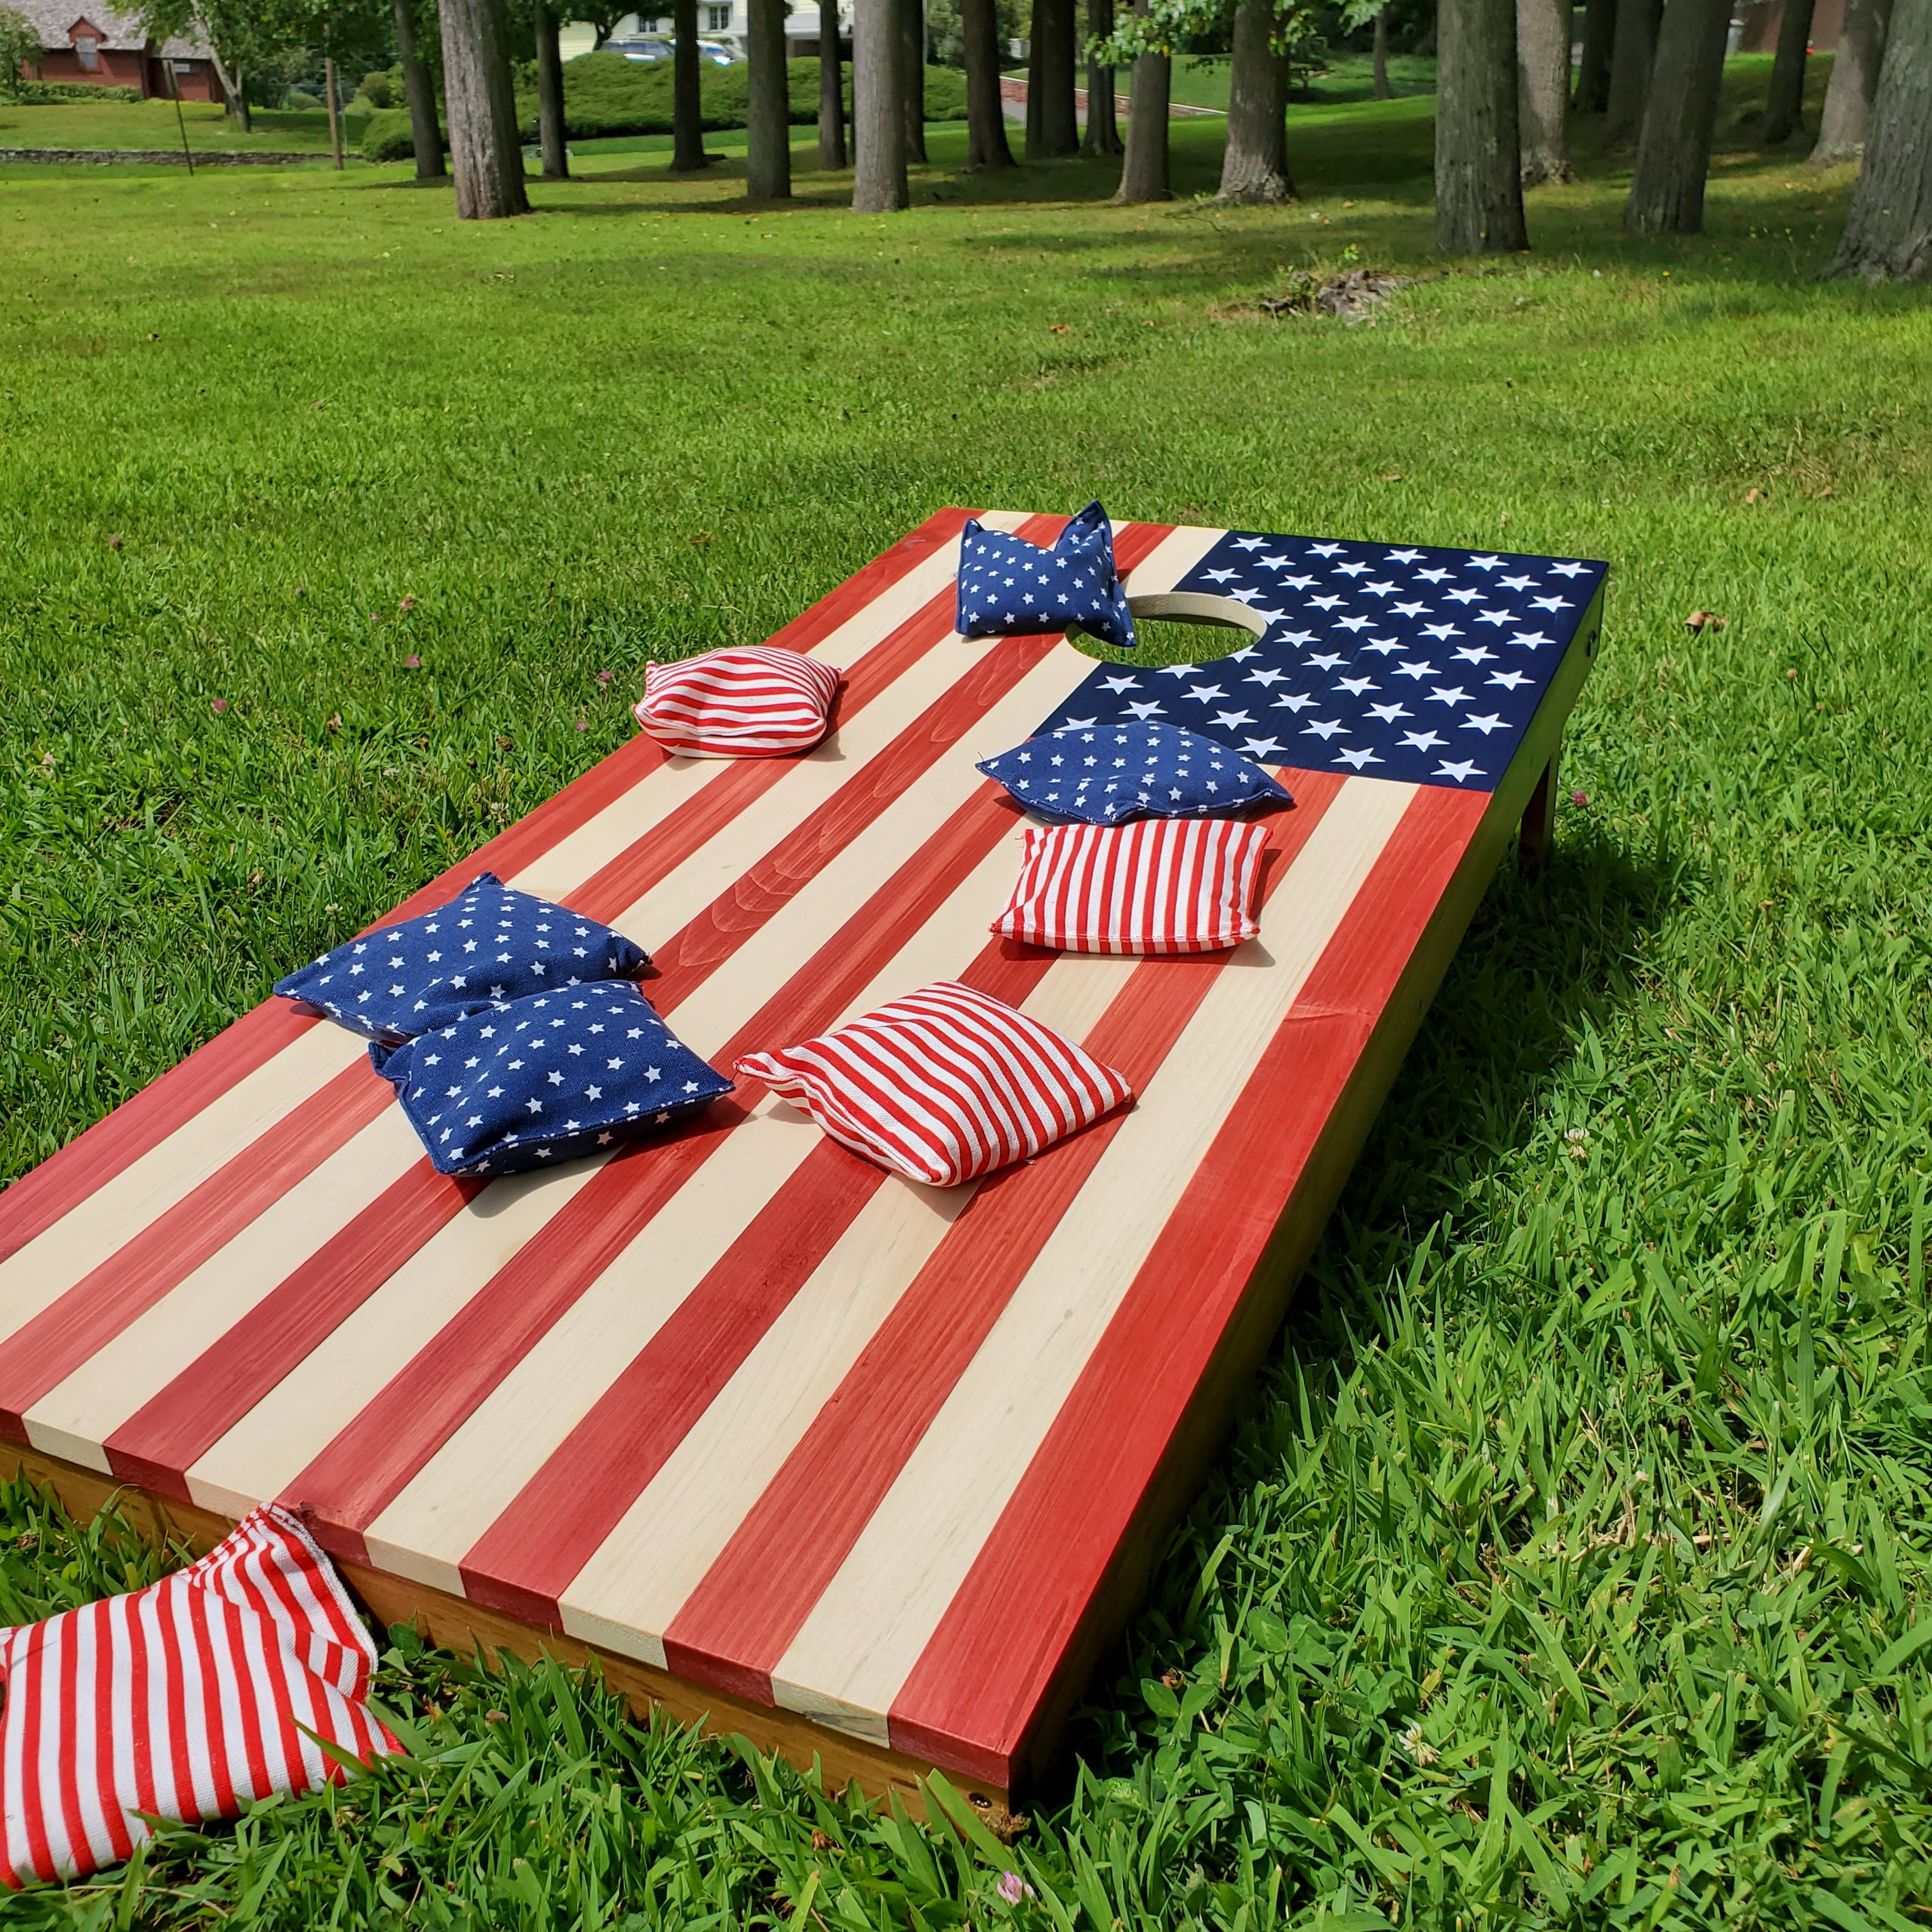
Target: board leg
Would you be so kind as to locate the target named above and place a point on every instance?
(1539, 833)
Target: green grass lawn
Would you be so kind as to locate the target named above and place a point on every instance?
(1571, 1564)
(1201, 80)
(151, 124)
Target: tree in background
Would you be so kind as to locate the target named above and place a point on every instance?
(240, 35)
(1888, 230)
(1101, 134)
(1848, 94)
(768, 106)
(1632, 55)
(1680, 118)
(1784, 99)
(1144, 174)
(687, 153)
(1478, 176)
(985, 118)
(486, 153)
(1254, 164)
(1378, 58)
(551, 127)
(419, 93)
(879, 122)
(20, 49)
(1593, 67)
(1053, 127)
(831, 88)
(1543, 90)
(912, 24)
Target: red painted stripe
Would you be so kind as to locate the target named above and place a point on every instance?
(131, 1280)
(970, 1701)
(564, 1513)
(366, 1466)
(33, 1203)
(736, 1626)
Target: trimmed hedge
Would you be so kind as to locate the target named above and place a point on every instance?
(387, 136)
(47, 93)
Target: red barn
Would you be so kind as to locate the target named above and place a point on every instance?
(82, 41)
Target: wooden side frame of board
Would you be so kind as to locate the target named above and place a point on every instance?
(1524, 797)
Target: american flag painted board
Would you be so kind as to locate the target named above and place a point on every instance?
(734, 1404)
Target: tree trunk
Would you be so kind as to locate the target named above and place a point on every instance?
(768, 106)
(1674, 150)
(1854, 82)
(1478, 182)
(687, 153)
(1379, 58)
(485, 155)
(831, 88)
(1784, 100)
(1053, 126)
(335, 111)
(550, 126)
(1593, 70)
(1144, 174)
(912, 18)
(424, 132)
(1254, 164)
(878, 125)
(1102, 136)
(986, 119)
(1632, 58)
(234, 94)
(1888, 231)
(1543, 90)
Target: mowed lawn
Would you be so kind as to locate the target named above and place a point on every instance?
(1571, 1564)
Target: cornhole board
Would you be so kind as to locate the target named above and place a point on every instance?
(862, 1469)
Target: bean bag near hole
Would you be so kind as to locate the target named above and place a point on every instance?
(489, 944)
(760, 701)
(944, 1085)
(1157, 885)
(544, 1080)
(1009, 587)
(185, 1700)
(1106, 774)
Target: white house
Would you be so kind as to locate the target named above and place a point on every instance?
(726, 22)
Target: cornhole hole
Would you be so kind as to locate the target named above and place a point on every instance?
(864, 1469)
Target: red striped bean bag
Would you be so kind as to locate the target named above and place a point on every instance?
(185, 1700)
(1156, 885)
(760, 702)
(944, 1085)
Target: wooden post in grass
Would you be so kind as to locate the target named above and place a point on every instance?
(552, 126)
(1254, 163)
(1478, 181)
(1680, 117)
(1854, 82)
(425, 135)
(1144, 174)
(986, 118)
(878, 131)
(181, 121)
(1888, 232)
(486, 157)
(831, 88)
(335, 112)
(768, 108)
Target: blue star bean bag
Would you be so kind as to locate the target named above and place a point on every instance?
(1008, 587)
(545, 1079)
(490, 944)
(1105, 774)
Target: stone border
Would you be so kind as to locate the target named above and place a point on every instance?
(166, 156)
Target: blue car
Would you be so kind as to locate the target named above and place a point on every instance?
(639, 47)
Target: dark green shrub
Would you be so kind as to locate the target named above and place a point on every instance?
(387, 137)
(46, 93)
(376, 90)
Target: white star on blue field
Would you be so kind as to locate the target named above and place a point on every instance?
(1421, 664)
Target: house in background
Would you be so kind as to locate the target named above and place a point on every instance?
(727, 22)
(82, 42)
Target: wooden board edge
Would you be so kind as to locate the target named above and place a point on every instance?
(1245, 1344)
(451, 1623)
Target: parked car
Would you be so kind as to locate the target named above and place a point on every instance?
(716, 52)
(638, 47)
